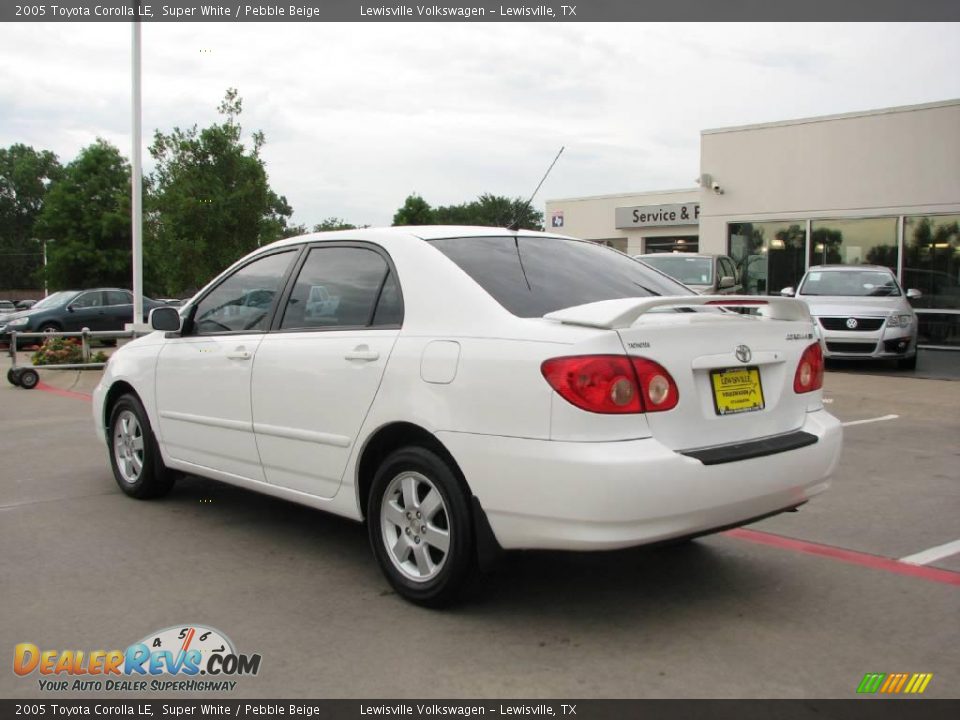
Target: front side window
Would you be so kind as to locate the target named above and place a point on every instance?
(88, 300)
(850, 283)
(533, 276)
(243, 301)
(341, 287)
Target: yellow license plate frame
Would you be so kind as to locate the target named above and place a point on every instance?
(737, 390)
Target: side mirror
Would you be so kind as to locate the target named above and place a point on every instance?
(165, 318)
(727, 282)
(788, 292)
(70, 308)
(913, 294)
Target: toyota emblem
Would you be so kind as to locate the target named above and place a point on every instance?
(743, 353)
(852, 323)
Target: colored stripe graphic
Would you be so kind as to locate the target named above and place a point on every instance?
(871, 682)
(894, 683)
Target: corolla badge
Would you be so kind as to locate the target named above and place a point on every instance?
(743, 353)
(852, 323)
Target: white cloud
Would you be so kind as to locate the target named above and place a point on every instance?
(359, 115)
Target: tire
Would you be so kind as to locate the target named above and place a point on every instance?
(436, 556)
(134, 455)
(28, 378)
(909, 363)
(13, 377)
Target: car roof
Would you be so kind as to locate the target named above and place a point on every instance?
(385, 235)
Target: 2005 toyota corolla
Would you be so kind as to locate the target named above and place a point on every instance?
(464, 390)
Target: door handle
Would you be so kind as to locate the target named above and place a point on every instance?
(239, 354)
(362, 352)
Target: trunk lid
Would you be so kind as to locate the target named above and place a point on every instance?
(693, 343)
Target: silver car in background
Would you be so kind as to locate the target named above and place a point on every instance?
(703, 273)
(862, 312)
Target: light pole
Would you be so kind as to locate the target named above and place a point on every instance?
(137, 182)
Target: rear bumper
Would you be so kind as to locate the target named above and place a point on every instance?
(606, 495)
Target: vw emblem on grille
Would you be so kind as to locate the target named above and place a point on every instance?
(743, 353)
(852, 323)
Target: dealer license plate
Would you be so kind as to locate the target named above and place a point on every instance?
(736, 390)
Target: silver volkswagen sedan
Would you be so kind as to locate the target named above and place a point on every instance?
(862, 312)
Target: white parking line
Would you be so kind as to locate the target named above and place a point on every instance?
(869, 420)
(933, 554)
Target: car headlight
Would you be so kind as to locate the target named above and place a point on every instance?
(19, 322)
(899, 320)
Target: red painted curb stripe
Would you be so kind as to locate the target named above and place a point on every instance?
(853, 557)
(63, 393)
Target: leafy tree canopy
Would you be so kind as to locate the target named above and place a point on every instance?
(333, 223)
(415, 211)
(25, 175)
(487, 210)
(86, 213)
(209, 203)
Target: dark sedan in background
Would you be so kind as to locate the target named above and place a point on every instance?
(70, 310)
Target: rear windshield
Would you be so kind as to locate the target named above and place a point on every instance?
(688, 270)
(532, 276)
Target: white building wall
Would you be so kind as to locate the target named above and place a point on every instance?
(592, 218)
(897, 161)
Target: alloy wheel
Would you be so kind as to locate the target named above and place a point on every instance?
(128, 446)
(415, 526)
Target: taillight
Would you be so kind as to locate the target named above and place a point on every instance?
(611, 384)
(659, 391)
(809, 375)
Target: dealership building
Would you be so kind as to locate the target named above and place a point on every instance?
(878, 187)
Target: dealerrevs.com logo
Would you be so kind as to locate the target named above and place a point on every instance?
(181, 658)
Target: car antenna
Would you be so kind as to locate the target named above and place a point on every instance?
(515, 225)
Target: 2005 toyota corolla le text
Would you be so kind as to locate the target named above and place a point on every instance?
(464, 390)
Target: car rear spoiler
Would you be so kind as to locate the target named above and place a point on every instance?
(622, 313)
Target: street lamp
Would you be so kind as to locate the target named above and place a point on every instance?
(137, 181)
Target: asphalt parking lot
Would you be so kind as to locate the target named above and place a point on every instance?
(741, 614)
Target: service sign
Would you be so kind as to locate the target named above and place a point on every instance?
(658, 215)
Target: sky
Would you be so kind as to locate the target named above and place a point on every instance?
(358, 116)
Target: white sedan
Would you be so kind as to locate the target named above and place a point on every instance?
(472, 390)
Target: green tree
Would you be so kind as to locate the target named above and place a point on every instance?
(334, 223)
(87, 215)
(210, 201)
(491, 211)
(415, 211)
(25, 175)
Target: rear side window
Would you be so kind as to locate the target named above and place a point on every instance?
(119, 297)
(532, 276)
(340, 287)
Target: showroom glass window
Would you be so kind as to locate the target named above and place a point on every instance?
(243, 301)
(931, 264)
(931, 259)
(684, 243)
(342, 287)
(857, 241)
(769, 255)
